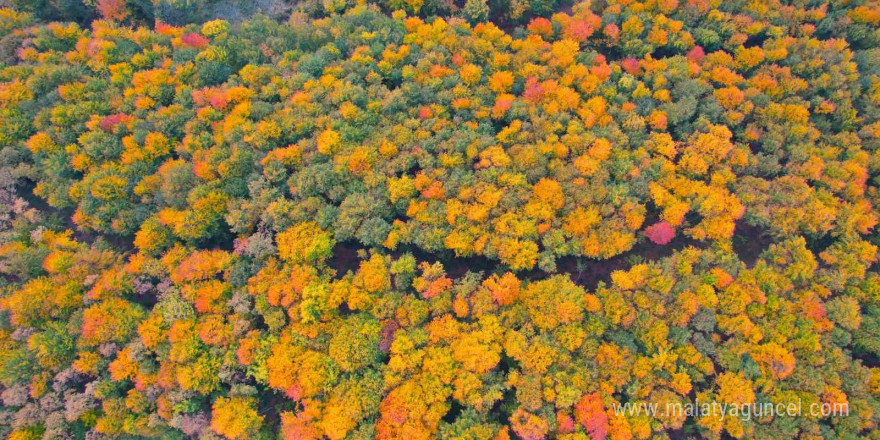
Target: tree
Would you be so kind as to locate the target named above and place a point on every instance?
(305, 243)
(660, 233)
(590, 412)
(235, 417)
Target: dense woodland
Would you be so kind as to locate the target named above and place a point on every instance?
(399, 220)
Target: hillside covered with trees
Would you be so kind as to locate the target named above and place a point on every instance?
(425, 219)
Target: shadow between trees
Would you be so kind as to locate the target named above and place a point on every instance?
(749, 243)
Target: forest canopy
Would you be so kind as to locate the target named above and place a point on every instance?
(456, 220)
